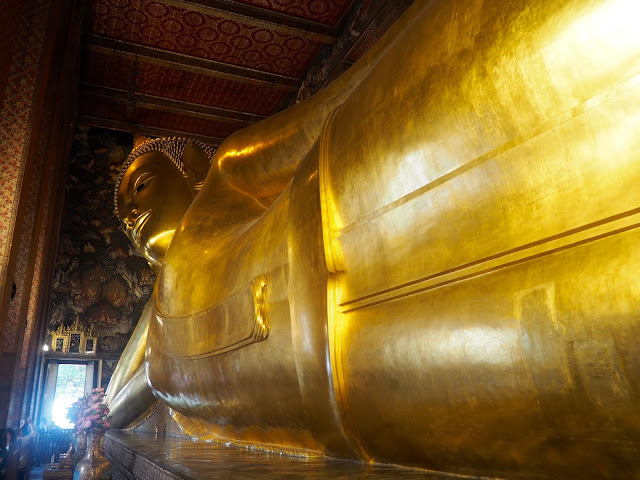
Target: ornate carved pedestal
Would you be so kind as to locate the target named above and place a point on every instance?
(146, 456)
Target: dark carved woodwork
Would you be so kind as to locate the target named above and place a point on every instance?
(152, 131)
(173, 106)
(190, 63)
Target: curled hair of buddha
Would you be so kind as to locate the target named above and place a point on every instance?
(172, 147)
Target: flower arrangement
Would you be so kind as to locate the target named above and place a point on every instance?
(89, 413)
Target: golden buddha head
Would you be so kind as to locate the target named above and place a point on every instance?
(156, 186)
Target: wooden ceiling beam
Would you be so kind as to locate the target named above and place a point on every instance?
(165, 58)
(163, 104)
(259, 17)
(143, 129)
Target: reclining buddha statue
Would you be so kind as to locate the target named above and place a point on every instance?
(433, 262)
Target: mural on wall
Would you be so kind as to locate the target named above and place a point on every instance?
(99, 278)
(108, 367)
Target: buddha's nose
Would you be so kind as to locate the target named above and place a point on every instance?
(130, 219)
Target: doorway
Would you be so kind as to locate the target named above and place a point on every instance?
(70, 385)
(65, 382)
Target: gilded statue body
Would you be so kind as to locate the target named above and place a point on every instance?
(431, 263)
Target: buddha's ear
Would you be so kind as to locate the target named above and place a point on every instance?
(196, 164)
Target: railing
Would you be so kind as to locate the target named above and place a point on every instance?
(53, 442)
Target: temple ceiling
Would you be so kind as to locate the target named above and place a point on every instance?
(206, 68)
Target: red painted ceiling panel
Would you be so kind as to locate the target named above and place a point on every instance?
(328, 12)
(192, 33)
(119, 72)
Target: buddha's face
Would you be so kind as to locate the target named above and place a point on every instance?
(152, 198)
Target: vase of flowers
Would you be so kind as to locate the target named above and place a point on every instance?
(89, 414)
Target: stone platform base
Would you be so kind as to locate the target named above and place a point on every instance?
(137, 455)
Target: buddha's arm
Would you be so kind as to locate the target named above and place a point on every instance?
(261, 159)
(132, 356)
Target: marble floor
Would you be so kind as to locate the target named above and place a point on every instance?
(195, 460)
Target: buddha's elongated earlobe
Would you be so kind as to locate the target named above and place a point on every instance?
(197, 162)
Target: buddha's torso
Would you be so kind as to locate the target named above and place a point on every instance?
(222, 325)
(449, 287)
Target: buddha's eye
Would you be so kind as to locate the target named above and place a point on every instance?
(143, 182)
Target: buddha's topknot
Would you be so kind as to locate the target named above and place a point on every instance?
(172, 147)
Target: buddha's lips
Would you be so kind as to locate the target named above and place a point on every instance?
(137, 227)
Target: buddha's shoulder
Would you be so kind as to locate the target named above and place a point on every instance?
(212, 255)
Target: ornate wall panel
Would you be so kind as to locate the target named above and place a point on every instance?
(35, 111)
(98, 276)
(11, 10)
(28, 270)
(20, 77)
(15, 117)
